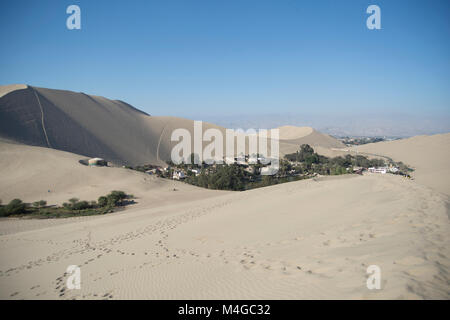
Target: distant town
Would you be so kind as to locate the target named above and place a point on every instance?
(249, 172)
(357, 140)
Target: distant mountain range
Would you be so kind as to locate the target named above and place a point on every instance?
(379, 124)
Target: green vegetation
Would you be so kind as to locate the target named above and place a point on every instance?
(266, 181)
(306, 160)
(14, 207)
(74, 207)
(235, 177)
(39, 204)
(303, 164)
(354, 141)
(116, 198)
(403, 168)
(223, 177)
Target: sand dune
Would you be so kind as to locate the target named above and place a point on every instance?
(314, 138)
(98, 127)
(428, 155)
(4, 90)
(89, 125)
(291, 138)
(305, 239)
(35, 173)
(293, 132)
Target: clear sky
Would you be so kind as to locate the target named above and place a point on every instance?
(227, 57)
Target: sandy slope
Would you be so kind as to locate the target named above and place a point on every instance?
(293, 132)
(98, 127)
(314, 138)
(9, 88)
(29, 173)
(306, 239)
(90, 125)
(428, 155)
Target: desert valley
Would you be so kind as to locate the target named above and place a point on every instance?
(308, 239)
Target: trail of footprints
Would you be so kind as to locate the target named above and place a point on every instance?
(246, 258)
(158, 252)
(85, 246)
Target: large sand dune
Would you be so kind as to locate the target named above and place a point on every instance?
(98, 127)
(90, 125)
(305, 239)
(292, 139)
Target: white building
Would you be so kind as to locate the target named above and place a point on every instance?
(178, 175)
(268, 171)
(195, 171)
(250, 169)
(97, 162)
(381, 170)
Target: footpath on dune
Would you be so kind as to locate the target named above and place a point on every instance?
(305, 239)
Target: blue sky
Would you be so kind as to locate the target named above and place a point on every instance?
(192, 58)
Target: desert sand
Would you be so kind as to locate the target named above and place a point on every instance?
(428, 155)
(36, 173)
(111, 129)
(293, 132)
(310, 239)
(4, 90)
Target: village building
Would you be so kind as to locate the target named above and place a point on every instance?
(178, 175)
(97, 162)
(394, 169)
(250, 169)
(195, 171)
(382, 170)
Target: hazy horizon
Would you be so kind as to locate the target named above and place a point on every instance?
(370, 124)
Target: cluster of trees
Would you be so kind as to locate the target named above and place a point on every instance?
(266, 181)
(359, 141)
(313, 162)
(223, 177)
(114, 199)
(306, 162)
(14, 207)
(111, 200)
(143, 168)
(305, 154)
(74, 205)
(403, 168)
(295, 166)
(17, 207)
